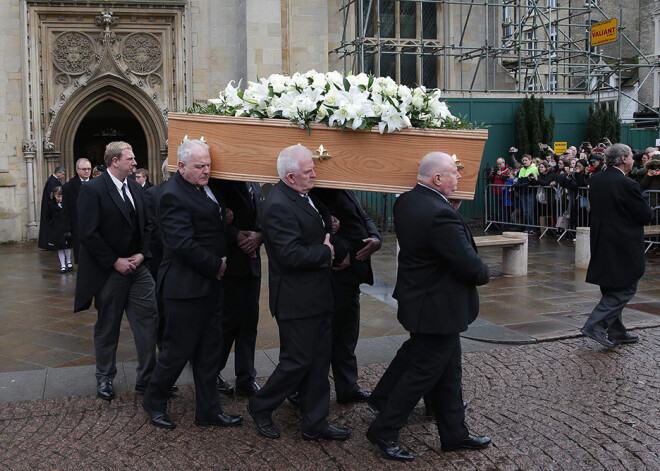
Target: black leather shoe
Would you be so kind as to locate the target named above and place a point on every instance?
(597, 336)
(160, 419)
(139, 388)
(625, 338)
(223, 386)
(105, 391)
(294, 398)
(265, 427)
(358, 396)
(221, 420)
(472, 442)
(329, 433)
(391, 450)
(248, 389)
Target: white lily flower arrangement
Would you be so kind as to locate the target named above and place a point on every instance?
(355, 101)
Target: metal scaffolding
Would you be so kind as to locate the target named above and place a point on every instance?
(509, 46)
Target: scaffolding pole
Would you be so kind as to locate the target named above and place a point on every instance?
(504, 46)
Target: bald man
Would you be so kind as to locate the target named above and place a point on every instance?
(436, 288)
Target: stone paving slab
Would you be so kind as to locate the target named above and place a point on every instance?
(562, 405)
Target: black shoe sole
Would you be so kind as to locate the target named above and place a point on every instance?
(106, 398)
(216, 424)
(320, 436)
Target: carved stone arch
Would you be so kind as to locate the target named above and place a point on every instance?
(72, 113)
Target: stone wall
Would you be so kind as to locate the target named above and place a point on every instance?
(13, 184)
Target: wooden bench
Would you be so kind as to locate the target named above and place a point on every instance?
(514, 251)
(648, 232)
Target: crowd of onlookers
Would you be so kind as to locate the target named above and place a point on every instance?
(552, 191)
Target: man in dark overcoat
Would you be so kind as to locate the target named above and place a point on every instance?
(242, 282)
(618, 215)
(436, 289)
(192, 224)
(70, 192)
(296, 231)
(361, 237)
(114, 242)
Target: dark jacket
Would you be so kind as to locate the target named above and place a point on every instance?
(44, 229)
(70, 193)
(58, 227)
(439, 269)
(193, 232)
(151, 197)
(299, 264)
(354, 226)
(106, 233)
(247, 212)
(618, 214)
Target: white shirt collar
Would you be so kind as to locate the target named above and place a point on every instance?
(116, 181)
(433, 189)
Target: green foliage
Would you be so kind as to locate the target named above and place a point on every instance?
(549, 130)
(602, 123)
(533, 127)
(534, 135)
(521, 141)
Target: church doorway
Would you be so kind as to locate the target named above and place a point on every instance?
(106, 122)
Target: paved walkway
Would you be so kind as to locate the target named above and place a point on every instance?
(562, 405)
(550, 398)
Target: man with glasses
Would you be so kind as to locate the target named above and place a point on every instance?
(70, 192)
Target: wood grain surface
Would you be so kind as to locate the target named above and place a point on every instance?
(246, 149)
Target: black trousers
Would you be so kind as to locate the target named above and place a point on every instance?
(345, 333)
(239, 325)
(606, 316)
(192, 330)
(134, 294)
(303, 367)
(425, 364)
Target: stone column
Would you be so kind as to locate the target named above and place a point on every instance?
(29, 154)
(582, 247)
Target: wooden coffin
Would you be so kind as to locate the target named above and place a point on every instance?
(246, 149)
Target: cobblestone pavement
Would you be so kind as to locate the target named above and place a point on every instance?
(561, 405)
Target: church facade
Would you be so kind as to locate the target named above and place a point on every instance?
(75, 75)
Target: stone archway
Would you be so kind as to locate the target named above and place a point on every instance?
(111, 89)
(106, 122)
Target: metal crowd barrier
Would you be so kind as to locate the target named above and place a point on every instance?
(560, 210)
(536, 209)
(654, 201)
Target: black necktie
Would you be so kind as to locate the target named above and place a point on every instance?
(129, 205)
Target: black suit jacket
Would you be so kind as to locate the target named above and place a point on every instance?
(439, 268)
(151, 197)
(246, 217)
(299, 265)
(354, 226)
(618, 214)
(193, 233)
(105, 230)
(70, 193)
(44, 230)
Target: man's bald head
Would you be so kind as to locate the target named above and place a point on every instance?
(438, 170)
(434, 162)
